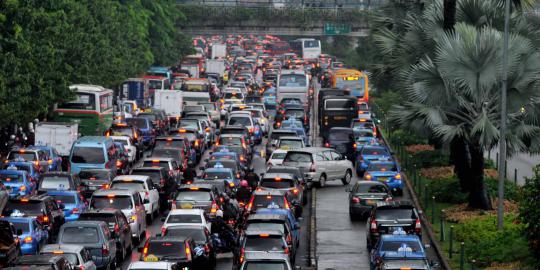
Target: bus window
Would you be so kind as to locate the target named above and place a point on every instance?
(83, 101)
(311, 44)
(105, 103)
(292, 80)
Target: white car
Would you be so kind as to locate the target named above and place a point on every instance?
(77, 255)
(128, 145)
(185, 217)
(290, 142)
(146, 188)
(151, 265)
(277, 157)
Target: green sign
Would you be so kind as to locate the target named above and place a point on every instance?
(335, 29)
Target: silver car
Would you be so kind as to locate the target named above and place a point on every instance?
(320, 164)
(77, 255)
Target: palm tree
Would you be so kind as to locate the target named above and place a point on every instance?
(449, 14)
(455, 93)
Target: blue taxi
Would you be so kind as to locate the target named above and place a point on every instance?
(224, 153)
(73, 203)
(32, 233)
(54, 161)
(269, 98)
(30, 168)
(364, 137)
(368, 153)
(397, 245)
(218, 172)
(293, 223)
(17, 182)
(386, 171)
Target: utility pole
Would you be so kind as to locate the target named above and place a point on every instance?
(502, 140)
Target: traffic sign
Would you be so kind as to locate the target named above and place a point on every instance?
(335, 29)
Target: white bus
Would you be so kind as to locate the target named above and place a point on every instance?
(307, 48)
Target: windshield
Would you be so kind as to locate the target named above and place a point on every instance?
(292, 80)
(80, 234)
(138, 122)
(173, 249)
(390, 167)
(193, 196)
(11, 178)
(55, 182)
(372, 189)
(24, 226)
(151, 117)
(196, 234)
(265, 265)
(110, 219)
(82, 101)
(32, 208)
(184, 218)
(120, 131)
(393, 214)
(217, 175)
(297, 157)
(169, 144)
(115, 202)
(189, 123)
(402, 245)
(153, 174)
(363, 134)
(272, 243)
(92, 155)
(136, 186)
(340, 135)
(339, 104)
(278, 155)
(368, 151)
(244, 121)
(64, 198)
(291, 144)
(273, 183)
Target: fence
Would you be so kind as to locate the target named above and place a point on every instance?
(322, 4)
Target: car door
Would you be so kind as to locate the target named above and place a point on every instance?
(320, 163)
(337, 164)
(154, 194)
(125, 231)
(331, 171)
(139, 208)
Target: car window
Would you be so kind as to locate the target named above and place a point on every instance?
(298, 157)
(115, 202)
(184, 219)
(93, 155)
(320, 157)
(136, 186)
(193, 196)
(394, 214)
(80, 234)
(275, 183)
(328, 155)
(370, 189)
(196, 234)
(261, 265)
(55, 182)
(335, 155)
(273, 243)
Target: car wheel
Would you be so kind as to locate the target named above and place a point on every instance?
(322, 181)
(347, 178)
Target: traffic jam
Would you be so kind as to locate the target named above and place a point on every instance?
(208, 164)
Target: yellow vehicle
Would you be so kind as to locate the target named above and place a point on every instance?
(354, 80)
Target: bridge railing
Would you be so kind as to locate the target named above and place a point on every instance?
(323, 4)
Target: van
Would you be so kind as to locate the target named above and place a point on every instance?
(93, 152)
(293, 84)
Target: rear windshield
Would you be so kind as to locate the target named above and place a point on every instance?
(297, 157)
(265, 265)
(31, 207)
(93, 175)
(266, 226)
(393, 213)
(292, 80)
(256, 243)
(160, 164)
(230, 140)
(11, 178)
(217, 175)
(273, 183)
(363, 125)
(277, 135)
(138, 122)
(122, 131)
(244, 121)
(402, 245)
(64, 198)
(169, 144)
(136, 186)
(195, 108)
(24, 226)
(340, 135)
(279, 169)
(92, 155)
(372, 189)
(232, 95)
(172, 153)
(363, 134)
(368, 151)
(151, 117)
(233, 131)
(339, 104)
(294, 113)
(80, 235)
(363, 107)
(108, 218)
(225, 163)
(291, 144)
(278, 155)
(54, 182)
(155, 175)
(124, 142)
(268, 201)
(22, 156)
(173, 249)
(186, 195)
(116, 202)
(194, 233)
(384, 167)
(184, 219)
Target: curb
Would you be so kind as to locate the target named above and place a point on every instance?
(425, 222)
(313, 231)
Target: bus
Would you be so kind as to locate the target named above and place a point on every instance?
(92, 109)
(306, 48)
(353, 80)
(279, 48)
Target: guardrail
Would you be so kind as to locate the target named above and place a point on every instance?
(321, 4)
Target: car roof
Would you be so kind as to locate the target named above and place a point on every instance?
(17, 172)
(148, 168)
(159, 158)
(186, 211)
(131, 177)
(272, 192)
(278, 175)
(259, 232)
(311, 150)
(296, 138)
(63, 247)
(200, 186)
(77, 223)
(395, 204)
(266, 256)
(111, 211)
(264, 216)
(114, 191)
(149, 265)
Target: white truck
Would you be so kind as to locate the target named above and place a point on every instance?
(218, 51)
(61, 136)
(216, 66)
(171, 101)
(193, 70)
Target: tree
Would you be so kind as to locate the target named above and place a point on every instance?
(529, 209)
(449, 14)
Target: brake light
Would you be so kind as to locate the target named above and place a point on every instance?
(312, 167)
(163, 230)
(105, 186)
(188, 252)
(295, 191)
(197, 143)
(287, 206)
(398, 176)
(75, 211)
(278, 124)
(418, 226)
(45, 219)
(368, 176)
(355, 200)
(22, 188)
(118, 163)
(231, 184)
(242, 252)
(326, 145)
(289, 239)
(373, 226)
(105, 250)
(286, 250)
(145, 249)
(354, 145)
(250, 204)
(28, 239)
(214, 207)
(116, 228)
(242, 158)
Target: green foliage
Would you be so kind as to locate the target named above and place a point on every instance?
(48, 45)
(529, 212)
(511, 190)
(446, 191)
(427, 159)
(485, 244)
(403, 137)
(386, 99)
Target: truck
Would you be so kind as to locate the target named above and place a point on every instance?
(61, 136)
(218, 51)
(193, 70)
(216, 66)
(133, 89)
(171, 101)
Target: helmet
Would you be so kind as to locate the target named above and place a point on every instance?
(243, 183)
(219, 213)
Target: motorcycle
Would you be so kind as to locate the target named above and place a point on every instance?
(224, 244)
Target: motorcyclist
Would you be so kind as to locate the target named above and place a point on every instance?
(224, 231)
(243, 193)
(189, 175)
(253, 180)
(230, 210)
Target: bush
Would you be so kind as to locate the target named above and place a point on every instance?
(427, 159)
(447, 191)
(511, 191)
(403, 137)
(529, 213)
(485, 244)
(387, 99)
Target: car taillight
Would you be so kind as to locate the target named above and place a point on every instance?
(118, 164)
(418, 226)
(373, 226)
(354, 145)
(145, 249)
(28, 239)
(105, 186)
(116, 228)
(214, 207)
(105, 250)
(75, 211)
(398, 176)
(312, 167)
(295, 191)
(355, 200)
(250, 204)
(289, 239)
(207, 248)
(286, 204)
(286, 250)
(242, 253)
(188, 252)
(368, 176)
(326, 145)
(163, 230)
(197, 143)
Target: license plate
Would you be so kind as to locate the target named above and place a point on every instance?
(186, 206)
(370, 202)
(340, 118)
(382, 179)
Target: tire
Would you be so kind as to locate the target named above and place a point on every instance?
(322, 181)
(347, 178)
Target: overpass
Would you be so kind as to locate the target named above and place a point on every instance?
(283, 18)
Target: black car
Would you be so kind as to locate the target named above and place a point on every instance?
(94, 179)
(167, 184)
(385, 217)
(133, 132)
(9, 246)
(179, 250)
(43, 207)
(292, 170)
(201, 236)
(42, 262)
(342, 139)
(364, 195)
(118, 227)
(57, 181)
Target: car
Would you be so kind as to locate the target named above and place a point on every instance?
(290, 142)
(73, 202)
(385, 217)
(55, 160)
(77, 255)
(175, 153)
(58, 181)
(342, 139)
(225, 154)
(276, 158)
(402, 262)
(43, 207)
(220, 173)
(273, 139)
(129, 202)
(254, 260)
(17, 183)
(397, 245)
(93, 152)
(30, 231)
(182, 142)
(146, 188)
(30, 168)
(364, 195)
(42, 261)
(94, 179)
(246, 120)
(95, 237)
(160, 176)
(179, 250)
(37, 156)
(273, 199)
(368, 153)
(9, 246)
(152, 265)
(274, 220)
(148, 132)
(172, 167)
(269, 98)
(387, 172)
(359, 124)
(133, 132)
(123, 165)
(297, 113)
(118, 227)
(201, 236)
(320, 164)
(297, 172)
(185, 217)
(364, 136)
(231, 164)
(289, 184)
(242, 152)
(264, 241)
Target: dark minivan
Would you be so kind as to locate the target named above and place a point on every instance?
(342, 139)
